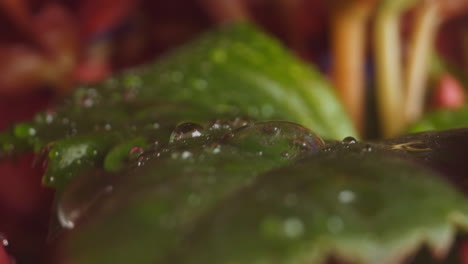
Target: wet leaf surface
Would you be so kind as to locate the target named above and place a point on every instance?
(226, 203)
(444, 152)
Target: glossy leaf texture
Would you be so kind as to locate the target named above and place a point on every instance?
(230, 200)
(235, 71)
(443, 151)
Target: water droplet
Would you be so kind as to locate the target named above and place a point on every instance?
(271, 130)
(196, 133)
(24, 130)
(135, 152)
(349, 140)
(87, 101)
(276, 138)
(186, 130)
(32, 131)
(4, 240)
(293, 227)
(186, 154)
(216, 126)
(367, 148)
(49, 116)
(217, 149)
(240, 123)
(335, 224)
(346, 196)
(81, 195)
(200, 84)
(67, 221)
(141, 161)
(87, 97)
(327, 149)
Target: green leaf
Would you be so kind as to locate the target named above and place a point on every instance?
(442, 120)
(204, 169)
(358, 202)
(235, 71)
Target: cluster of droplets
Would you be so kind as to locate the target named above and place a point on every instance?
(275, 138)
(282, 139)
(87, 97)
(348, 143)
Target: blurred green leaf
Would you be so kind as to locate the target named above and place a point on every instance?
(442, 120)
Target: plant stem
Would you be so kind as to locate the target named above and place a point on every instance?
(425, 27)
(389, 90)
(348, 29)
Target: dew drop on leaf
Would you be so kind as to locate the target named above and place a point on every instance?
(275, 138)
(367, 148)
(346, 196)
(185, 131)
(335, 224)
(186, 155)
(349, 140)
(4, 241)
(200, 84)
(135, 152)
(80, 195)
(293, 227)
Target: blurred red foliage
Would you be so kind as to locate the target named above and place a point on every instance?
(448, 93)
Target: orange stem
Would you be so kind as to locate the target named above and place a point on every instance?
(348, 47)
